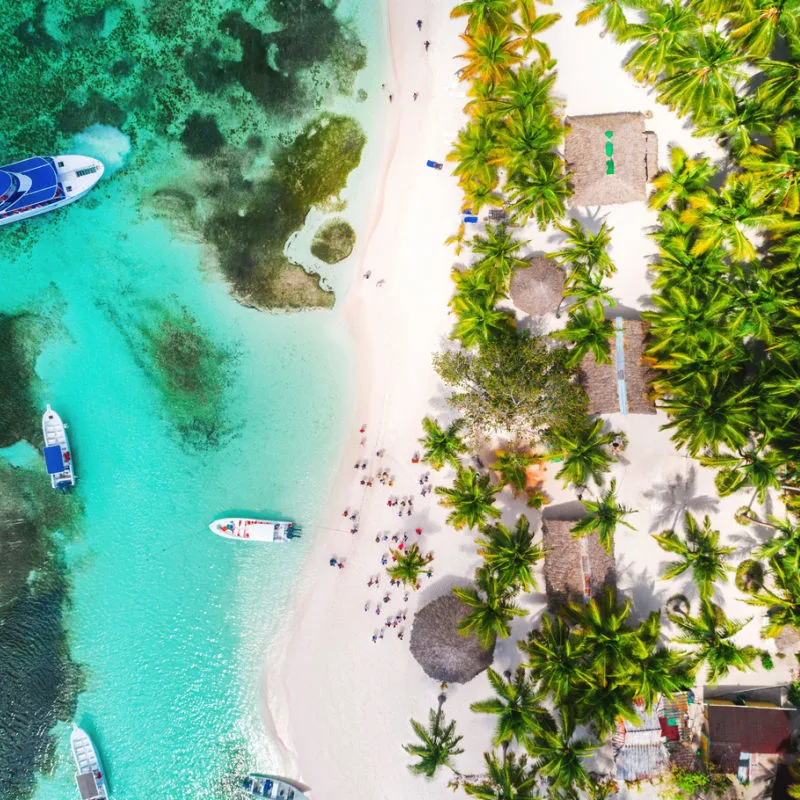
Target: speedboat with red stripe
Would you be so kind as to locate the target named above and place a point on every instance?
(253, 530)
(43, 183)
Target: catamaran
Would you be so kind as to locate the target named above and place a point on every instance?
(57, 455)
(254, 530)
(90, 778)
(43, 183)
(260, 785)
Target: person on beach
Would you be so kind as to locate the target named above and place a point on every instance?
(340, 565)
(418, 531)
(380, 635)
(415, 95)
(363, 428)
(384, 561)
(333, 562)
(427, 45)
(390, 98)
(378, 609)
(419, 24)
(374, 638)
(366, 606)
(366, 275)
(380, 282)
(400, 635)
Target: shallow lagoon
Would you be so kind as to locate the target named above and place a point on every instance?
(166, 628)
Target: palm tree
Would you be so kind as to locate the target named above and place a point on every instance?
(557, 659)
(490, 55)
(585, 288)
(687, 177)
(509, 779)
(512, 466)
(704, 75)
(776, 170)
(611, 643)
(736, 127)
(665, 27)
(712, 632)
(756, 467)
(785, 543)
(479, 322)
(471, 499)
(714, 415)
(511, 554)
(604, 516)
(779, 91)
(756, 24)
(585, 453)
(442, 445)
(408, 565)
(473, 153)
(610, 11)
(584, 250)
(499, 259)
(438, 744)
(532, 25)
(700, 552)
(492, 14)
(782, 602)
(516, 704)
(559, 754)
(661, 672)
(529, 87)
(589, 332)
(492, 608)
(472, 283)
(540, 189)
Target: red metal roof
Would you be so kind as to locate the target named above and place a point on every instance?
(746, 729)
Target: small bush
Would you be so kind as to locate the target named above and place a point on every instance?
(766, 661)
(794, 693)
(749, 576)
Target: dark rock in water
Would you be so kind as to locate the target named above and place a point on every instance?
(32, 32)
(21, 339)
(334, 241)
(38, 680)
(201, 136)
(205, 68)
(74, 117)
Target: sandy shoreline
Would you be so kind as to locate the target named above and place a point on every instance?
(340, 703)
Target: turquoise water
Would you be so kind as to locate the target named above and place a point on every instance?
(171, 625)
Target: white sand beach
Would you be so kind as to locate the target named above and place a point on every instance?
(340, 702)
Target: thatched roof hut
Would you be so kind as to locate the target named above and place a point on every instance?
(574, 568)
(537, 289)
(440, 649)
(611, 157)
(621, 385)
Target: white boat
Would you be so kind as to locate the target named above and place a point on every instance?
(260, 785)
(254, 530)
(57, 455)
(90, 776)
(43, 183)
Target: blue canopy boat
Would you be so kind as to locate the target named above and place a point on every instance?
(57, 455)
(43, 183)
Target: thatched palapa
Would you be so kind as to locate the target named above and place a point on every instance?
(574, 569)
(609, 169)
(537, 289)
(440, 649)
(621, 385)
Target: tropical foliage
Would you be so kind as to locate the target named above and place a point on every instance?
(442, 445)
(511, 553)
(585, 452)
(408, 564)
(603, 517)
(438, 744)
(471, 499)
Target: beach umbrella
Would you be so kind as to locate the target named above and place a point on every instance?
(440, 649)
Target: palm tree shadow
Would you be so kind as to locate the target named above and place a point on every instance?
(677, 496)
(646, 591)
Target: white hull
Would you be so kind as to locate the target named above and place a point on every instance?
(55, 437)
(253, 530)
(73, 177)
(90, 776)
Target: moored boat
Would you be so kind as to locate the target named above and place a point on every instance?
(43, 183)
(260, 785)
(90, 777)
(57, 455)
(254, 530)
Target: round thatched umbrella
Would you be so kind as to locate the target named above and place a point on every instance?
(537, 289)
(440, 649)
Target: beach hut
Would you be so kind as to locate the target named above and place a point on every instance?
(611, 158)
(536, 290)
(574, 569)
(744, 739)
(622, 385)
(440, 649)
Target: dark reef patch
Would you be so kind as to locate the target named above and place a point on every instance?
(192, 374)
(39, 682)
(74, 117)
(22, 336)
(201, 136)
(334, 241)
(251, 222)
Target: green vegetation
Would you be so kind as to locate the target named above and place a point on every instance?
(585, 451)
(438, 744)
(442, 445)
(334, 241)
(471, 499)
(409, 563)
(603, 517)
(700, 552)
(511, 553)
